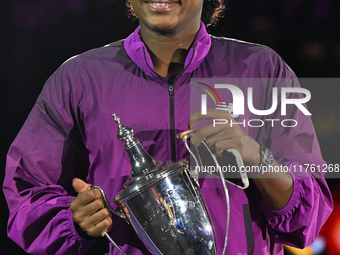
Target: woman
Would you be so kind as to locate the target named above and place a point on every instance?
(144, 79)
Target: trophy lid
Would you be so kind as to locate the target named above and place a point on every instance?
(141, 161)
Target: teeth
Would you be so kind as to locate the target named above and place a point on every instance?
(159, 4)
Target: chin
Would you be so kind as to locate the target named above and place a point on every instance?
(164, 27)
(164, 31)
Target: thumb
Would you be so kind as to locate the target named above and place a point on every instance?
(79, 185)
(181, 135)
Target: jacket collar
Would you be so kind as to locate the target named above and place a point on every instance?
(137, 51)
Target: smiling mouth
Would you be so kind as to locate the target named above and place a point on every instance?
(161, 6)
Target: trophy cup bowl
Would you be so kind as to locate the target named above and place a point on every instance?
(168, 213)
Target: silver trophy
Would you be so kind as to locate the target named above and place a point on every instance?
(162, 202)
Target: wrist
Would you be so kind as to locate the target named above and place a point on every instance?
(256, 158)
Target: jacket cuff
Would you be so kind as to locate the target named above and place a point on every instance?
(290, 207)
(84, 239)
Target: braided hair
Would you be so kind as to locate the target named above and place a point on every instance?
(211, 13)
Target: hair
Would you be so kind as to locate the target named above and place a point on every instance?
(211, 13)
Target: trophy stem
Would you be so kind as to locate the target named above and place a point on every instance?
(141, 162)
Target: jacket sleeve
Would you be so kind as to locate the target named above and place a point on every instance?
(41, 163)
(297, 149)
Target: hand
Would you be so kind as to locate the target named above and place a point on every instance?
(89, 211)
(225, 136)
(276, 189)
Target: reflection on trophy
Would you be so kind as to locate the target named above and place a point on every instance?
(163, 203)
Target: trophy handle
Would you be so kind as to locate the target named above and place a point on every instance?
(236, 154)
(192, 172)
(240, 164)
(118, 213)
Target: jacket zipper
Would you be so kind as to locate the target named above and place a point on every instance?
(172, 122)
(172, 104)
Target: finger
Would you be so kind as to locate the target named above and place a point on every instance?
(85, 198)
(224, 145)
(95, 218)
(87, 219)
(97, 223)
(79, 185)
(225, 134)
(205, 132)
(211, 115)
(93, 207)
(103, 226)
(84, 213)
(183, 134)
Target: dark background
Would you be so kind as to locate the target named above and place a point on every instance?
(37, 36)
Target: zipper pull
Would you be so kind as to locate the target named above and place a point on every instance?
(171, 90)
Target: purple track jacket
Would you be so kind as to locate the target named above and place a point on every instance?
(70, 133)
